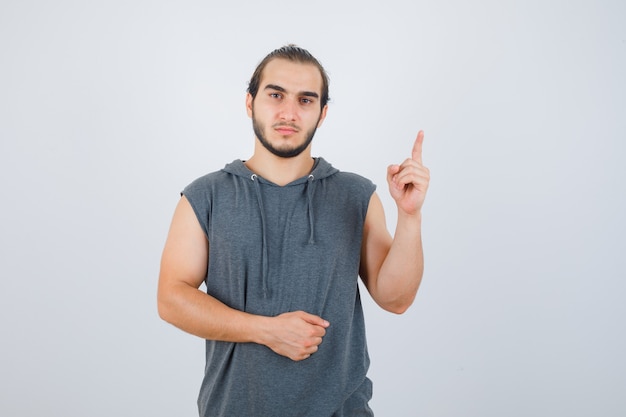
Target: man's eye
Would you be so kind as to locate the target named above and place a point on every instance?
(275, 95)
(306, 100)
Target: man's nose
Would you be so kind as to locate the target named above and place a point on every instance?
(288, 110)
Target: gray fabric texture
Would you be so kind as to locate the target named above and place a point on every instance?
(275, 249)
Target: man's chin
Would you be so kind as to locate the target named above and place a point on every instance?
(286, 153)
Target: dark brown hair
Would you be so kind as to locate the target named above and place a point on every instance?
(291, 53)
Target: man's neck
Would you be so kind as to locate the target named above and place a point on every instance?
(280, 171)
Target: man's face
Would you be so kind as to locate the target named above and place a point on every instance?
(286, 110)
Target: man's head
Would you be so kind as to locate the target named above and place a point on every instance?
(286, 100)
(291, 53)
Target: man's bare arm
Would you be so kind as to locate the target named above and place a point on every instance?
(392, 269)
(180, 301)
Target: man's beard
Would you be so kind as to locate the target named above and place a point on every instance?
(282, 153)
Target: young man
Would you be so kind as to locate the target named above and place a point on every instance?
(280, 240)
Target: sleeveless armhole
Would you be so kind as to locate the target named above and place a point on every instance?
(197, 195)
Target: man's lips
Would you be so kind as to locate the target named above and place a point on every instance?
(285, 130)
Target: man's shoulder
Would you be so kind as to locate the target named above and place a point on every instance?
(351, 183)
(328, 170)
(209, 177)
(216, 177)
(202, 184)
(352, 179)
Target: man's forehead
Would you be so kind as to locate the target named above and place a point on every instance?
(292, 75)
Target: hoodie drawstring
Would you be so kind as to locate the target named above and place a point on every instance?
(309, 192)
(257, 187)
(310, 189)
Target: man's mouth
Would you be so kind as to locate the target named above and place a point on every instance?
(285, 130)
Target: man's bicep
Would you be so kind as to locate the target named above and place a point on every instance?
(185, 256)
(376, 243)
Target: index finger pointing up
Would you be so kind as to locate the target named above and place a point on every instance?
(416, 154)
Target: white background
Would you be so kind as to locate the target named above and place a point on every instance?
(108, 109)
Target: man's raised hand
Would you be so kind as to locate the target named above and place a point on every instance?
(408, 182)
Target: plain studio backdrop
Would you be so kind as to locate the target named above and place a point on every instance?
(108, 109)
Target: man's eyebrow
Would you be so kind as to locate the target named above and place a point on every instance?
(282, 90)
(275, 87)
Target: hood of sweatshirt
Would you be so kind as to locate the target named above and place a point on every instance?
(321, 170)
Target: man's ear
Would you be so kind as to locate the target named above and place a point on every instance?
(322, 115)
(249, 101)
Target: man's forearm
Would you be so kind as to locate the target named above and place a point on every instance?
(401, 272)
(200, 314)
(295, 335)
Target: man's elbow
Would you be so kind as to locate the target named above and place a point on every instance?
(394, 298)
(165, 308)
(398, 306)
(162, 310)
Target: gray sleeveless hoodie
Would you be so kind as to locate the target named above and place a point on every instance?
(274, 249)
